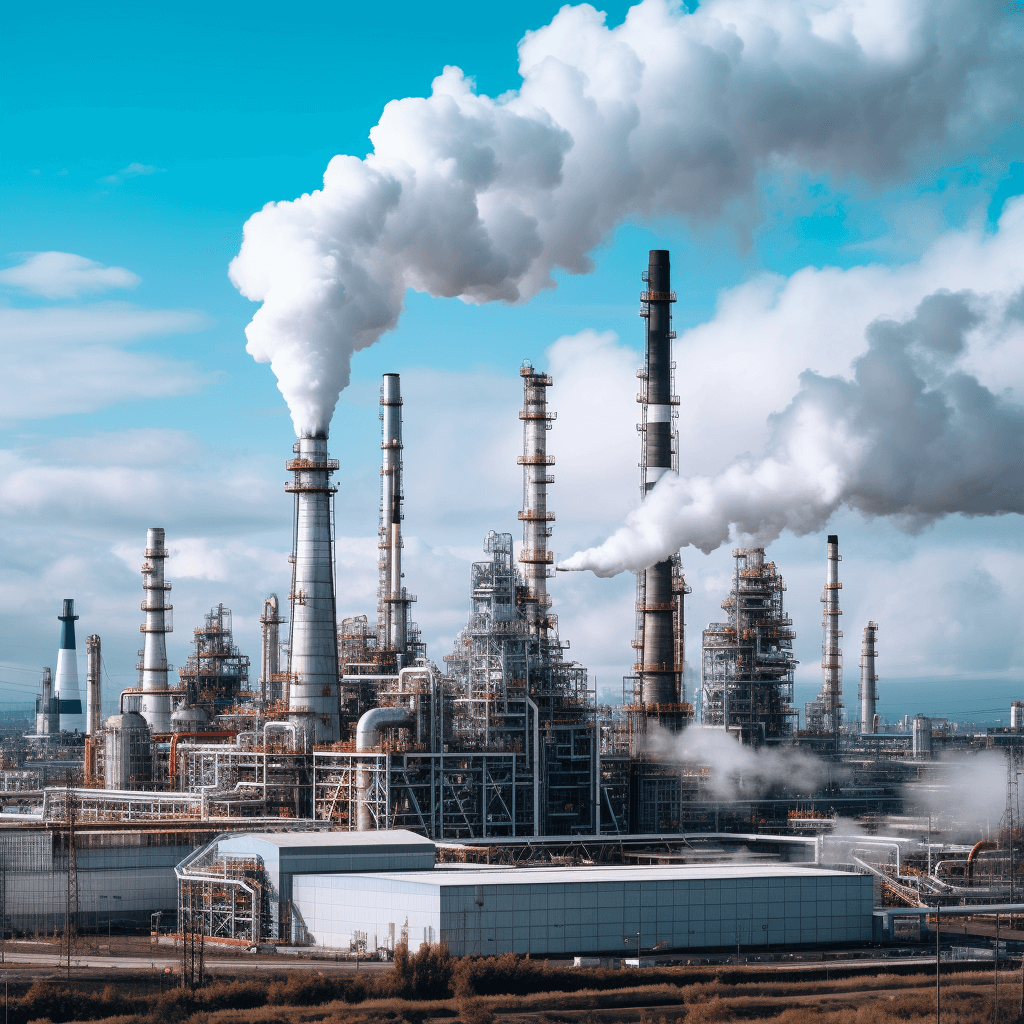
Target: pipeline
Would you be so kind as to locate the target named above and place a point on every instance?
(368, 737)
(206, 735)
(985, 844)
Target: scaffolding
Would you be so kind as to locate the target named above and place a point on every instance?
(748, 664)
(216, 674)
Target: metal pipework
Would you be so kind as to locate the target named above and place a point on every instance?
(868, 690)
(392, 599)
(368, 737)
(270, 658)
(831, 653)
(534, 555)
(656, 604)
(92, 684)
(156, 700)
(313, 648)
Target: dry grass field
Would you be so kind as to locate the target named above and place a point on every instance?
(433, 987)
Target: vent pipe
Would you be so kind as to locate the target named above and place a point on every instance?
(535, 516)
(656, 602)
(831, 653)
(156, 696)
(270, 658)
(92, 684)
(868, 690)
(47, 720)
(313, 649)
(392, 598)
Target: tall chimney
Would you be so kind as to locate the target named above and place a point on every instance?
(65, 682)
(393, 599)
(313, 650)
(92, 684)
(831, 653)
(657, 668)
(535, 555)
(156, 697)
(47, 721)
(868, 690)
(270, 659)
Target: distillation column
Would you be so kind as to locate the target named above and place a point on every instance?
(392, 599)
(156, 696)
(831, 653)
(535, 516)
(92, 684)
(65, 682)
(270, 656)
(313, 650)
(657, 668)
(868, 691)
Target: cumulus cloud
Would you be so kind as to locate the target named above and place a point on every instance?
(96, 368)
(670, 113)
(63, 275)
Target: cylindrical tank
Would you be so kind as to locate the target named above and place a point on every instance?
(922, 736)
(128, 760)
(190, 720)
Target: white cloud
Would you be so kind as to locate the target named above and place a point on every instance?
(63, 275)
(73, 359)
(133, 170)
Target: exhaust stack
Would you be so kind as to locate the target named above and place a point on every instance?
(156, 695)
(831, 653)
(270, 660)
(868, 690)
(313, 649)
(65, 683)
(656, 600)
(92, 684)
(393, 599)
(535, 516)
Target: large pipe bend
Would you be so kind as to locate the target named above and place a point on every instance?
(371, 723)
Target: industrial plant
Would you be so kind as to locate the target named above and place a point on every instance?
(326, 799)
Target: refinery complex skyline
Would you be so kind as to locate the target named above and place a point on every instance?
(804, 273)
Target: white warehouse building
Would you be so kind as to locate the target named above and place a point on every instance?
(573, 910)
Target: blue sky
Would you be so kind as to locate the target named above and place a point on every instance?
(143, 139)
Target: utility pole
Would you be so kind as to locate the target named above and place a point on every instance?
(995, 1015)
(71, 900)
(938, 975)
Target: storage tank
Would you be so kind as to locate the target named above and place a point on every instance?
(922, 736)
(128, 761)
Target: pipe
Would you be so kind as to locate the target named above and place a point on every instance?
(282, 725)
(172, 770)
(368, 737)
(985, 844)
(868, 678)
(535, 757)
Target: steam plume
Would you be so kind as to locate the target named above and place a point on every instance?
(669, 113)
(911, 436)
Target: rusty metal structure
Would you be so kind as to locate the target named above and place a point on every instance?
(216, 674)
(747, 664)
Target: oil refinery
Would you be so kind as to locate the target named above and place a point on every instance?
(248, 806)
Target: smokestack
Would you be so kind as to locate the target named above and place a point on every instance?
(655, 598)
(831, 654)
(868, 690)
(65, 683)
(392, 598)
(313, 648)
(92, 684)
(535, 516)
(270, 660)
(47, 720)
(156, 696)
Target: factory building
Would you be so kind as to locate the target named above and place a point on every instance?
(368, 892)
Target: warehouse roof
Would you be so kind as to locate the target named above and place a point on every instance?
(339, 840)
(609, 873)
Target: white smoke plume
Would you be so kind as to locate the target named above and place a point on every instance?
(912, 436)
(736, 771)
(670, 113)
